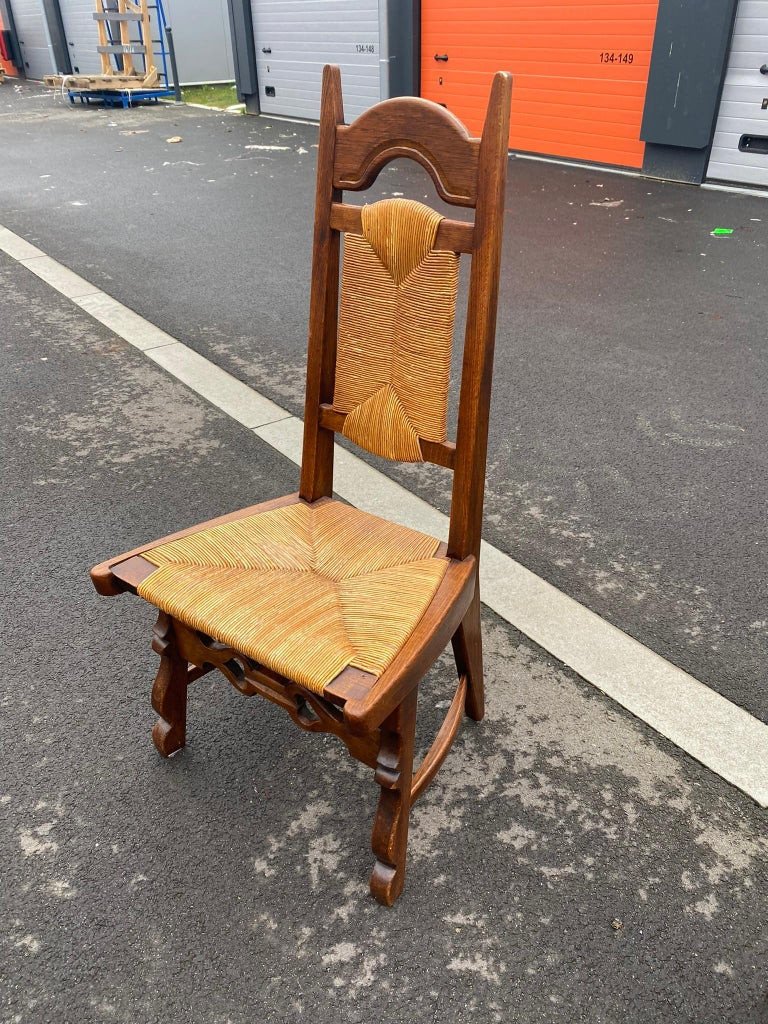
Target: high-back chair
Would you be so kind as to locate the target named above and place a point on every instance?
(330, 612)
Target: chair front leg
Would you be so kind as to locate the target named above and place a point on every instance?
(394, 774)
(468, 651)
(169, 693)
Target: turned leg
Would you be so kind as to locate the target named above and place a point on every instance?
(394, 772)
(468, 651)
(169, 693)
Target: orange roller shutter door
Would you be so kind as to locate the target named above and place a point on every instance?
(580, 71)
(5, 62)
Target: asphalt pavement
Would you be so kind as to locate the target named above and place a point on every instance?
(629, 435)
(568, 865)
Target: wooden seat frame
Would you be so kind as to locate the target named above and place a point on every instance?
(375, 717)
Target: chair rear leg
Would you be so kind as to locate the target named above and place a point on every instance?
(394, 773)
(468, 651)
(169, 693)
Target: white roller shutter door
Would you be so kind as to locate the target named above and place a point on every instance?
(295, 38)
(200, 32)
(34, 41)
(740, 147)
(82, 35)
(201, 36)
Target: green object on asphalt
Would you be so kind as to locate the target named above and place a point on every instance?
(722, 231)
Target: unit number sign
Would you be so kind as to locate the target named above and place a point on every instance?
(365, 48)
(612, 57)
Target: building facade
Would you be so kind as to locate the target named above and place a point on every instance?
(675, 89)
(47, 37)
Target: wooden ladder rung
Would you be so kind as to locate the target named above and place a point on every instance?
(122, 48)
(116, 16)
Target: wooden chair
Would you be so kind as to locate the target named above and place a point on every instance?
(330, 612)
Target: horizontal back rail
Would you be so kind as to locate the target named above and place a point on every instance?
(441, 453)
(452, 235)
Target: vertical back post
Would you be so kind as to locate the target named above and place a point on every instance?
(317, 457)
(477, 370)
(101, 28)
(146, 34)
(126, 57)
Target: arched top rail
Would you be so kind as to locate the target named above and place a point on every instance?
(418, 130)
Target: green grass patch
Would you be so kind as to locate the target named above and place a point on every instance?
(210, 95)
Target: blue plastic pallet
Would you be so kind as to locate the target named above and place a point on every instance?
(118, 97)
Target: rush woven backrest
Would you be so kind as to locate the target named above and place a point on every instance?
(398, 303)
(382, 318)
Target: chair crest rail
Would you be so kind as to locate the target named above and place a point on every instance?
(410, 128)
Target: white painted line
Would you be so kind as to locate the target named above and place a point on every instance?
(123, 321)
(722, 736)
(241, 110)
(59, 277)
(289, 120)
(205, 106)
(739, 190)
(17, 247)
(216, 385)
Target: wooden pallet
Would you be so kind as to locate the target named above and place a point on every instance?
(103, 83)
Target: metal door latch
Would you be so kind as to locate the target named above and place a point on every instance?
(266, 49)
(441, 56)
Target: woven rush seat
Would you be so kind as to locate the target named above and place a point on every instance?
(306, 590)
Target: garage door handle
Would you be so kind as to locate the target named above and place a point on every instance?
(764, 69)
(441, 56)
(266, 49)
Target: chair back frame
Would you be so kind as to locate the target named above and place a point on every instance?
(467, 172)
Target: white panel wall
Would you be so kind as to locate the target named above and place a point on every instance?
(34, 41)
(300, 36)
(741, 108)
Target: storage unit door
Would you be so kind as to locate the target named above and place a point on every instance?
(34, 41)
(7, 65)
(580, 70)
(295, 38)
(82, 35)
(740, 147)
(201, 37)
